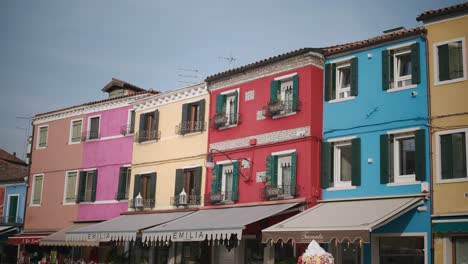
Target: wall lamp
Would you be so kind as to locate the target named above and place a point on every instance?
(244, 162)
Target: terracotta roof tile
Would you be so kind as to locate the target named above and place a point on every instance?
(12, 168)
(443, 11)
(4, 155)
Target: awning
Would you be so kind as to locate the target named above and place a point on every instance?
(450, 225)
(213, 223)
(27, 238)
(345, 219)
(5, 229)
(58, 238)
(122, 228)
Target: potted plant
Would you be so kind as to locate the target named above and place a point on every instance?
(220, 119)
(271, 191)
(275, 106)
(216, 197)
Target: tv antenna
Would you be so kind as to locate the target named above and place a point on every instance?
(230, 59)
(188, 75)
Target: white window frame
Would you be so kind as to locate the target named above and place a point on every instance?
(439, 155)
(285, 79)
(227, 110)
(39, 137)
(88, 130)
(129, 120)
(66, 185)
(337, 165)
(8, 206)
(396, 72)
(31, 204)
(70, 140)
(338, 80)
(375, 243)
(223, 180)
(436, 61)
(397, 178)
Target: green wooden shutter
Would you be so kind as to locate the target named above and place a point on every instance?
(354, 76)
(183, 122)
(142, 127)
(293, 173)
(220, 100)
(327, 165)
(420, 155)
(122, 183)
(216, 179)
(384, 159)
(275, 86)
(295, 101)
(333, 81)
(94, 188)
(81, 187)
(152, 182)
(235, 181)
(155, 127)
(415, 62)
(443, 55)
(269, 170)
(179, 182)
(274, 175)
(198, 180)
(327, 82)
(136, 186)
(201, 114)
(385, 70)
(356, 163)
(236, 100)
(446, 158)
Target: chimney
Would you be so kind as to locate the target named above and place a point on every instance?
(393, 30)
(14, 154)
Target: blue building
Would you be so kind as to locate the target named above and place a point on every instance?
(375, 176)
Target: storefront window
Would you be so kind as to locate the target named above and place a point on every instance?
(254, 251)
(346, 253)
(461, 250)
(401, 250)
(284, 253)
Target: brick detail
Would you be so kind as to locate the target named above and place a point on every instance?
(263, 139)
(249, 95)
(260, 115)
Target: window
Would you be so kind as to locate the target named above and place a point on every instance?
(348, 252)
(12, 209)
(87, 186)
(226, 109)
(124, 183)
(403, 156)
(42, 137)
(341, 79)
(145, 185)
(75, 131)
(193, 117)
(407, 249)
(93, 128)
(225, 182)
(131, 121)
(36, 197)
(71, 186)
(149, 125)
(460, 249)
(188, 180)
(451, 153)
(341, 163)
(284, 95)
(450, 59)
(400, 67)
(281, 175)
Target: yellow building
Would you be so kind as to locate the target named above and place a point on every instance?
(170, 149)
(447, 33)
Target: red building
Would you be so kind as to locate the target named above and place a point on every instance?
(265, 137)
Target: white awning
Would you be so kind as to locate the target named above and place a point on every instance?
(122, 228)
(213, 223)
(58, 238)
(345, 219)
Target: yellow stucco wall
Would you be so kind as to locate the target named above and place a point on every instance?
(447, 99)
(171, 152)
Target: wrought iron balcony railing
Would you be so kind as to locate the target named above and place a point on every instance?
(11, 220)
(121, 196)
(222, 197)
(127, 130)
(89, 135)
(147, 203)
(279, 107)
(221, 120)
(187, 127)
(279, 192)
(191, 200)
(147, 135)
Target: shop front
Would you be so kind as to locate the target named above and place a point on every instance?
(451, 238)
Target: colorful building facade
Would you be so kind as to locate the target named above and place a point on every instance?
(448, 87)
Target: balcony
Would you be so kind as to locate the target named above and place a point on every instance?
(279, 192)
(187, 127)
(121, 196)
(222, 197)
(127, 130)
(279, 107)
(11, 220)
(147, 135)
(221, 120)
(192, 200)
(147, 203)
(89, 135)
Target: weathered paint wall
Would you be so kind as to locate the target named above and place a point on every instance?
(53, 162)
(20, 190)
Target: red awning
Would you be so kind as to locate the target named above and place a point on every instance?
(27, 238)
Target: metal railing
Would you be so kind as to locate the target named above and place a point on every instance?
(147, 203)
(11, 220)
(187, 127)
(220, 120)
(127, 130)
(279, 192)
(89, 135)
(121, 196)
(279, 107)
(147, 135)
(221, 197)
(191, 200)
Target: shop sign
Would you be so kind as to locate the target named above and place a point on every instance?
(188, 236)
(307, 236)
(98, 237)
(30, 241)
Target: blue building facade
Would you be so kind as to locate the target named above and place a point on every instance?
(15, 199)
(376, 142)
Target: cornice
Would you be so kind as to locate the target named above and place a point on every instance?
(170, 97)
(86, 109)
(310, 58)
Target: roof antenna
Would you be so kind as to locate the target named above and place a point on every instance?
(188, 75)
(230, 60)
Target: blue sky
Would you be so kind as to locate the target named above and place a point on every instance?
(58, 53)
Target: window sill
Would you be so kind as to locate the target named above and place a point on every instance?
(193, 133)
(148, 142)
(442, 181)
(392, 90)
(450, 81)
(283, 115)
(403, 183)
(280, 197)
(86, 203)
(341, 100)
(74, 143)
(35, 205)
(41, 147)
(227, 127)
(341, 188)
(69, 204)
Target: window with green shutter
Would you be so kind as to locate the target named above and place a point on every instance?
(401, 67)
(452, 154)
(284, 96)
(227, 109)
(341, 79)
(36, 197)
(75, 131)
(87, 186)
(145, 185)
(124, 183)
(42, 136)
(341, 163)
(449, 59)
(193, 118)
(71, 184)
(149, 126)
(281, 171)
(189, 181)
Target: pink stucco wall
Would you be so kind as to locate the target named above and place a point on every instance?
(107, 155)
